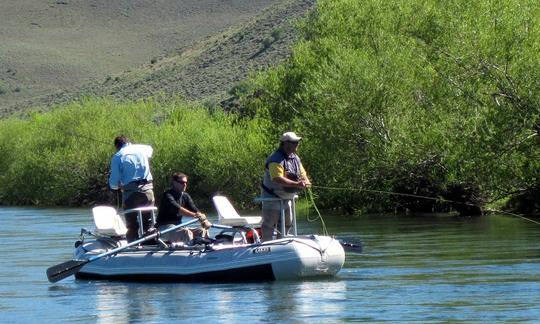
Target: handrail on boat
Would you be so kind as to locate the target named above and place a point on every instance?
(139, 211)
(291, 203)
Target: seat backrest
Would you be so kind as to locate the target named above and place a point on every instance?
(108, 222)
(224, 207)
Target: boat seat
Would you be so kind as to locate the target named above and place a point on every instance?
(108, 222)
(229, 216)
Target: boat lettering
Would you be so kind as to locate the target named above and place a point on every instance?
(264, 249)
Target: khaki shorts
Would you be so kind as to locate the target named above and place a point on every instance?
(271, 220)
(184, 235)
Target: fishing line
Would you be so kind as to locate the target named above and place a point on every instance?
(311, 200)
(422, 197)
(396, 194)
(516, 215)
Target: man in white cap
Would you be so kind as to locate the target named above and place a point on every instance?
(284, 176)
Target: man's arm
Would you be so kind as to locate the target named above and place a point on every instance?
(147, 150)
(277, 173)
(190, 209)
(115, 177)
(193, 211)
(183, 210)
(304, 177)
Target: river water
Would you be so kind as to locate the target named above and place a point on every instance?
(422, 269)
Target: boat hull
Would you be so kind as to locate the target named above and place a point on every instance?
(285, 259)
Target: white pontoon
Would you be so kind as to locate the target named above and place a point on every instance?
(235, 253)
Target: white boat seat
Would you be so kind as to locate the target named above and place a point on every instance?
(108, 222)
(229, 216)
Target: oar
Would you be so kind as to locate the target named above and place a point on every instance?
(66, 269)
(229, 227)
(355, 247)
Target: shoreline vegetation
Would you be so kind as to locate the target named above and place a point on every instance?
(63, 157)
(424, 98)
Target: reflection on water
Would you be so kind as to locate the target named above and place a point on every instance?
(112, 303)
(332, 292)
(132, 302)
(421, 269)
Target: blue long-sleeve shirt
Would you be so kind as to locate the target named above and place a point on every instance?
(130, 163)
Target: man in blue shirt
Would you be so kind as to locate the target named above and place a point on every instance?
(130, 173)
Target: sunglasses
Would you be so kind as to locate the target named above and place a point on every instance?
(183, 182)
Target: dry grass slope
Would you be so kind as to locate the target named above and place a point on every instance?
(130, 50)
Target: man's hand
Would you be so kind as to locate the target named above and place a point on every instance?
(304, 183)
(205, 223)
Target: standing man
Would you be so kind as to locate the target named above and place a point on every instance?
(174, 204)
(284, 176)
(130, 173)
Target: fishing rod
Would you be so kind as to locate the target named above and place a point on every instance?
(424, 197)
(76, 134)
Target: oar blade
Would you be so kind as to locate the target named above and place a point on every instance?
(66, 269)
(351, 247)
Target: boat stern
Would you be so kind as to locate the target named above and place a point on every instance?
(314, 256)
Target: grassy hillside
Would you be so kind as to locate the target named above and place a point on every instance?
(55, 52)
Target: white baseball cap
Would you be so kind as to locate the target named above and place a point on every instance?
(290, 137)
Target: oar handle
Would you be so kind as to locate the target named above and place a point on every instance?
(228, 226)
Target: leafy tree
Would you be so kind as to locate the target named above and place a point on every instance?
(383, 89)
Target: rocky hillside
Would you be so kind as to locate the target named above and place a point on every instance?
(226, 40)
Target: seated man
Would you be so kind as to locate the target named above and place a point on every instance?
(175, 203)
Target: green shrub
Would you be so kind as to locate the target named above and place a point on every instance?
(381, 89)
(276, 34)
(267, 42)
(62, 157)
